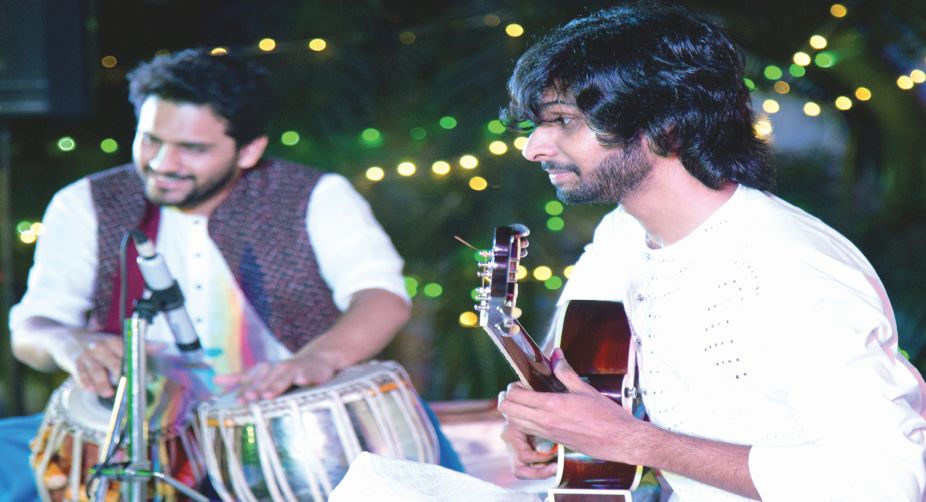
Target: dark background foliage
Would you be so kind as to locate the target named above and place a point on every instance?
(397, 65)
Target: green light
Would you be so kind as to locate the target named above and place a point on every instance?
(496, 127)
(555, 223)
(905, 354)
(447, 122)
(474, 294)
(66, 144)
(797, 70)
(289, 138)
(554, 282)
(22, 226)
(371, 136)
(825, 59)
(418, 133)
(411, 286)
(433, 290)
(772, 72)
(109, 145)
(553, 208)
(749, 84)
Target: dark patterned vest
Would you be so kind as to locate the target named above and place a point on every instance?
(260, 228)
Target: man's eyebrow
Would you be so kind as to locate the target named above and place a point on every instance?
(554, 102)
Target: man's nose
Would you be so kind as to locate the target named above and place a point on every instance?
(165, 160)
(539, 146)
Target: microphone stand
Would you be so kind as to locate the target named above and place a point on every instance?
(131, 404)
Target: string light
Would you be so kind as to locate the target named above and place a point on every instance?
(109, 61)
(440, 168)
(406, 168)
(478, 183)
(520, 142)
(289, 138)
(567, 272)
(521, 273)
(838, 10)
(469, 162)
(542, 273)
(763, 128)
(818, 42)
(514, 30)
(918, 76)
(219, 51)
(811, 109)
(407, 37)
(66, 144)
(317, 44)
(468, 319)
(770, 106)
(433, 290)
(109, 145)
(267, 44)
(862, 94)
(498, 147)
(555, 224)
(782, 87)
(375, 173)
(801, 58)
(843, 103)
(905, 82)
(553, 208)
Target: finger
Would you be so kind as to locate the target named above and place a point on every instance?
(536, 471)
(95, 377)
(568, 376)
(279, 379)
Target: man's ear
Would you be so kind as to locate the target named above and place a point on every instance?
(249, 155)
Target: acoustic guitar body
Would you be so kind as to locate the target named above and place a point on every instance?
(595, 339)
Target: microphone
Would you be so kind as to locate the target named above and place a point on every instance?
(166, 293)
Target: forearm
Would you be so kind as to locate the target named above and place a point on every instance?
(40, 343)
(723, 465)
(370, 323)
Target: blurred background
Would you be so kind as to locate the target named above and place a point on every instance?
(402, 97)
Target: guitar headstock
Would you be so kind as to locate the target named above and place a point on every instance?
(498, 292)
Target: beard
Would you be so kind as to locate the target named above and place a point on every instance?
(617, 175)
(199, 193)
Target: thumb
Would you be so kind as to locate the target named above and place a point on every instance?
(568, 376)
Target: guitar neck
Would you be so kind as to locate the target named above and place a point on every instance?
(525, 357)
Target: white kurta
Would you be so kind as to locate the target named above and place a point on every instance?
(351, 248)
(766, 327)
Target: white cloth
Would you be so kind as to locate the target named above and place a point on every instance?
(766, 327)
(352, 250)
(374, 477)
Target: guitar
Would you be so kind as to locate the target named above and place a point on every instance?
(595, 338)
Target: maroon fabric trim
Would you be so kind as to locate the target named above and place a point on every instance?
(135, 283)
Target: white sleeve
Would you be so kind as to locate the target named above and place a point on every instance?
(63, 274)
(834, 355)
(353, 251)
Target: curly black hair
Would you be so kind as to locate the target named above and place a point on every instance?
(235, 88)
(656, 71)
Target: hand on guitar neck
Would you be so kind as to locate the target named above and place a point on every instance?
(578, 408)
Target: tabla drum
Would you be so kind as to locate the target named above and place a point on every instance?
(72, 439)
(298, 446)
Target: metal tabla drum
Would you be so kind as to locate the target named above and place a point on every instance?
(299, 446)
(72, 438)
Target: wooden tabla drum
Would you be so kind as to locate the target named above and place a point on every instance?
(72, 439)
(299, 446)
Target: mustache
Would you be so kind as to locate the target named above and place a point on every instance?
(555, 166)
(151, 171)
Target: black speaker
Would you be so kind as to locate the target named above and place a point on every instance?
(47, 50)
